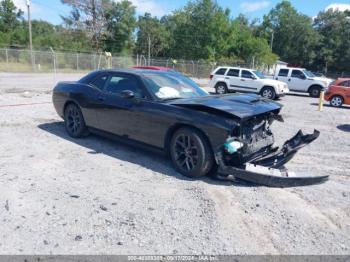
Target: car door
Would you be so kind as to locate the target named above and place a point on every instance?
(297, 80)
(91, 102)
(283, 75)
(344, 88)
(116, 113)
(232, 76)
(247, 81)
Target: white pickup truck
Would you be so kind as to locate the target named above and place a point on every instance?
(238, 79)
(302, 80)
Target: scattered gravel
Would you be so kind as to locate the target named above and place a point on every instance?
(94, 196)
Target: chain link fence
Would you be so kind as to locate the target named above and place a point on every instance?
(16, 60)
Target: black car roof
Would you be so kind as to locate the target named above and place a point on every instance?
(134, 71)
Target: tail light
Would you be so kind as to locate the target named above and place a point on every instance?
(211, 77)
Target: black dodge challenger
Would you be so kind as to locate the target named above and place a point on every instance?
(201, 133)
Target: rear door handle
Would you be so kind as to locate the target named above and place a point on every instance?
(101, 98)
(242, 80)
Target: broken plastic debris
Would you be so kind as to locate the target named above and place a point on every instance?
(231, 146)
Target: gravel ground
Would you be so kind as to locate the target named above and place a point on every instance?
(93, 196)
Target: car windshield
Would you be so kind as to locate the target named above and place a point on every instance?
(168, 86)
(259, 74)
(308, 73)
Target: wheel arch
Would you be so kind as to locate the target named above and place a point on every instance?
(221, 82)
(336, 94)
(68, 102)
(314, 85)
(171, 130)
(268, 86)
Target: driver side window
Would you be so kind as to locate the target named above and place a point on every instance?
(298, 74)
(119, 83)
(247, 74)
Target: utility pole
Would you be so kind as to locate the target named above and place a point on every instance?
(149, 49)
(30, 35)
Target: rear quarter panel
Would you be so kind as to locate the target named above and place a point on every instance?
(80, 94)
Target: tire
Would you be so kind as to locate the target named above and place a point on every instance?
(268, 92)
(315, 91)
(336, 101)
(74, 121)
(190, 153)
(221, 88)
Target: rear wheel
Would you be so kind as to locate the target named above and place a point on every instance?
(190, 153)
(268, 92)
(315, 91)
(221, 88)
(336, 101)
(74, 121)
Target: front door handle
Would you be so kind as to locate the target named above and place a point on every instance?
(242, 80)
(101, 98)
(227, 78)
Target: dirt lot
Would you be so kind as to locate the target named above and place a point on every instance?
(94, 196)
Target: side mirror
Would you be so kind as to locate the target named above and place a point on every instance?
(127, 94)
(302, 77)
(254, 78)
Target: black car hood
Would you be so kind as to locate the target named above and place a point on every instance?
(242, 106)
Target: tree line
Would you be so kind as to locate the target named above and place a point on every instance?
(201, 30)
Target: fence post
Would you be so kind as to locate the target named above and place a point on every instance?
(78, 62)
(7, 58)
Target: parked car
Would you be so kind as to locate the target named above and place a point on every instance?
(338, 93)
(224, 79)
(302, 80)
(159, 109)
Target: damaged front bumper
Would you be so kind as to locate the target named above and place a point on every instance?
(268, 168)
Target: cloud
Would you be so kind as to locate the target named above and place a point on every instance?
(250, 7)
(338, 7)
(22, 4)
(149, 6)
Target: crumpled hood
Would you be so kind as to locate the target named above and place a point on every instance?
(242, 106)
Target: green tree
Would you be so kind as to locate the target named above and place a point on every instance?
(154, 32)
(201, 31)
(120, 25)
(333, 50)
(9, 21)
(294, 37)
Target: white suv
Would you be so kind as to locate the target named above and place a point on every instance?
(237, 79)
(302, 80)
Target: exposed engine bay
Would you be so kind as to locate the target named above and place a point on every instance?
(251, 156)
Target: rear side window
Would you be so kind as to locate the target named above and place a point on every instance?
(221, 71)
(100, 82)
(283, 72)
(345, 83)
(233, 72)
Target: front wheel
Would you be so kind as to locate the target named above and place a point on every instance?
(74, 121)
(268, 92)
(191, 153)
(221, 88)
(315, 91)
(336, 101)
